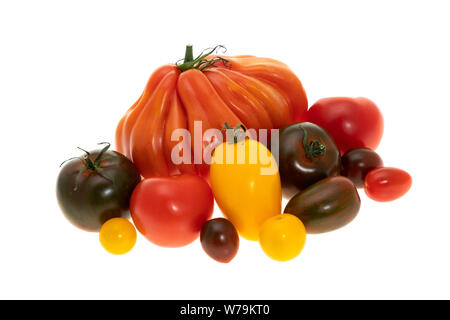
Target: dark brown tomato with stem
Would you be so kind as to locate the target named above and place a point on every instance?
(307, 154)
(326, 205)
(96, 187)
(219, 239)
(356, 163)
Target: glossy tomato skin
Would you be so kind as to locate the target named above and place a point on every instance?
(219, 239)
(326, 205)
(90, 199)
(247, 189)
(352, 122)
(282, 237)
(356, 163)
(170, 211)
(297, 170)
(387, 184)
(260, 93)
(117, 236)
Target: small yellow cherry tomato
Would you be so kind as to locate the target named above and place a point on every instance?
(117, 235)
(282, 237)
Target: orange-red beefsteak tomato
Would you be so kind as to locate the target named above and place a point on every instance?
(259, 93)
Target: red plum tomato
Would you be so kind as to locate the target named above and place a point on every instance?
(387, 184)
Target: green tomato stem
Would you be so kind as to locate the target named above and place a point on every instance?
(189, 55)
(201, 62)
(314, 149)
(238, 132)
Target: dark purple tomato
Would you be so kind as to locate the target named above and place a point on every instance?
(326, 205)
(96, 187)
(219, 239)
(307, 154)
(356, 163)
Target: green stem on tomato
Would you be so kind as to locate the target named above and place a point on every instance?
(189, 55)
(238, 132)
(90, 165)
(201, 62)
(314, 149)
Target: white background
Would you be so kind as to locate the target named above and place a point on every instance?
(70, 69)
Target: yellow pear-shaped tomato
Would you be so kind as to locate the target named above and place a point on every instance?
(246, 185)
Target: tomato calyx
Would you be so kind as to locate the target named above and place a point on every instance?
(89, 165)
(315, 147)
(201, 62)
(235, 134)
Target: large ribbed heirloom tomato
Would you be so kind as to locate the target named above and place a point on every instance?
(205, 93)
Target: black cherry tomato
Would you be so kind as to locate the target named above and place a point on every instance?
(357, 162)
(219, 239)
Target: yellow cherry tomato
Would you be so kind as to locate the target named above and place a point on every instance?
(117, 235)
(282, 237)
(246, 185)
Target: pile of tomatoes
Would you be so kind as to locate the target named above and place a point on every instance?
(319, 166)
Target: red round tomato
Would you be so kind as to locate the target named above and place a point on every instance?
(170, 211)
(387, 184)
(352, 122)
